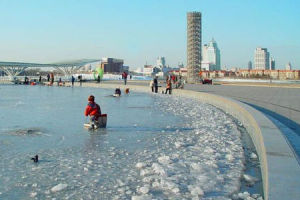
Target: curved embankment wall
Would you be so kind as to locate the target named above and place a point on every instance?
(279, 166)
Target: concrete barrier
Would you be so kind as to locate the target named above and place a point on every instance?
(279, 167)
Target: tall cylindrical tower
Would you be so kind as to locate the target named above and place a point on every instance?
(194, 44)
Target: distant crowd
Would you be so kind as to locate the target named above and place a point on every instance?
(171, 80)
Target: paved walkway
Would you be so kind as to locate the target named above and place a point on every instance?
(274, 101)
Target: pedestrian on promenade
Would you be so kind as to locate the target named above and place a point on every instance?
(26, 80)
(52, 78)
(59, 83)
(73, 80)
(124, 76)
(155, 82)
(40, 79)
(169, 87)
(173, 77)
(48, 77)
(80, 80)
(98, 78)
(180, 83)
(152, 85)
(168, 78)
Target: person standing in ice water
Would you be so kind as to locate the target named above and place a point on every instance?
(93, 110)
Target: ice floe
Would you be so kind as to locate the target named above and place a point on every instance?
(59, 187)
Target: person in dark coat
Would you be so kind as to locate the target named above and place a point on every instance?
(155, 83)
(73, 80)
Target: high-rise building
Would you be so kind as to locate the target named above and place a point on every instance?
(261, 58)
(211, 58)
(161, 62)
(249, 65)
(193, 46)
(272, 63)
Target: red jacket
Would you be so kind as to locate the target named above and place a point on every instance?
(124, 75)
(92, 109)
(169, 84)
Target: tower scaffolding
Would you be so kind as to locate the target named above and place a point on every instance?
(193, 46)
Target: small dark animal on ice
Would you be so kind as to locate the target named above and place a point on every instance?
(35, 158)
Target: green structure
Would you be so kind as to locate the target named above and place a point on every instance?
(98, 72)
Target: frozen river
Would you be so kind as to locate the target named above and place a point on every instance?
(154, 147)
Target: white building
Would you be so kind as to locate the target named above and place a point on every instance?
(161, 66)
(272, 63)
(211, 58)
(161, 62)
(288, 66)
(149, 70)
(261, 58)
(139, 70)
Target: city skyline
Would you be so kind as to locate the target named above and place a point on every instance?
(54, 31)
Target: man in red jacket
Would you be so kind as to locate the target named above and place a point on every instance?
(93, 110)
(124, 76)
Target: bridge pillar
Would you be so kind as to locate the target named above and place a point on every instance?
(12, 71)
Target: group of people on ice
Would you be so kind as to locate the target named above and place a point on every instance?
(172, 79)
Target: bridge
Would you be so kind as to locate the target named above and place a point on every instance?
(13, 69)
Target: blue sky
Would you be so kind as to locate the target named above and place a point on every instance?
(141, 30)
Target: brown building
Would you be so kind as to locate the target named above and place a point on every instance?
(253, 73)
(216, 74)
(274, 74)
(180, 71)
(112, 65)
